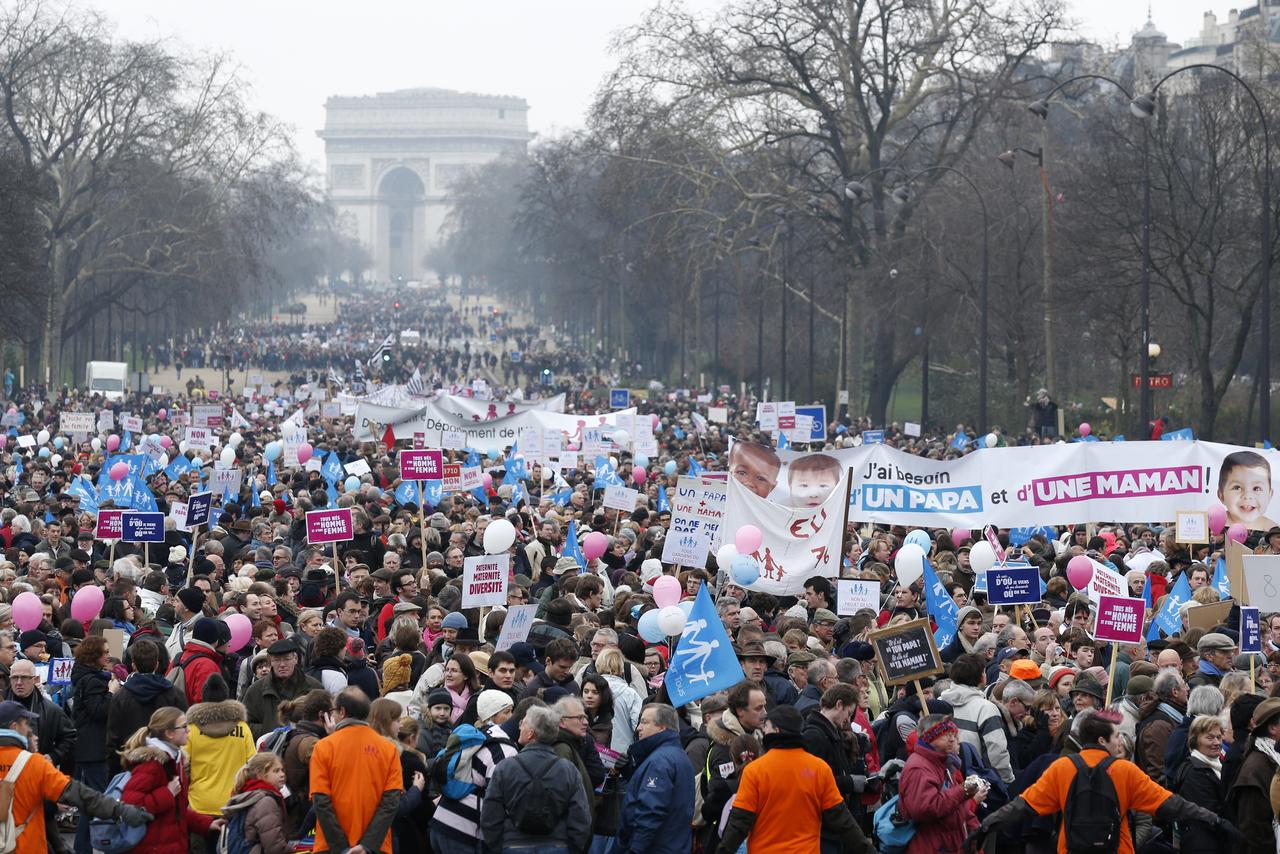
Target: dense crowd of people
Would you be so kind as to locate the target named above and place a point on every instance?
(364, 709)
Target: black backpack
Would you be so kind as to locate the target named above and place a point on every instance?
(537, 811)
(1092, 819)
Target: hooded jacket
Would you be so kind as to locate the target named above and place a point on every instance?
(982, 726)
(199, 661)
(264, 821)
(131, 708)
(218, 743)
(148, 788)
(718, 778)
(657, 809)
(91, 702)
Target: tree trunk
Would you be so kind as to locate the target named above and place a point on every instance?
(51, 343)
(884, 374)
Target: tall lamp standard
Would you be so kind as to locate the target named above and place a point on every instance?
(857, 190)
(1144, 106)
(785, 228)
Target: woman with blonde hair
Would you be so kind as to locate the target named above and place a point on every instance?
(626, 702)
(256, 810)
(160, 782)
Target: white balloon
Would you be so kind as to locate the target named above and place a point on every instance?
(182, 446)
(671, 620)
(228, 456)
(725, 555)
(55, 459)
(613, 462)
(499, 536)
(982, 557)
(621, 438)
(548, 472)
(991, 440)
(42, 437)
(235, 440)
(96, 443)
(909, 564)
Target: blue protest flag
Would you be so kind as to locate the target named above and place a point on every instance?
(126, 441)
(271, 473)
(664, 506)
(17, 466)
(432, 492)
(605, 473)
(332, 468)
(49, 517)
(518, 494)
(1146, 594)
(255, 501)
(473, 458)
(560, 499)
(1168, 619)
(226, 496)
(571, 546)
(784, 444)
(332, 492)
(142, 497)
(941, 607)
(703, 661)
(695, 470)
(960, 442)
(178, 467)
(678, 433)
(407, 493)
(1220, 581)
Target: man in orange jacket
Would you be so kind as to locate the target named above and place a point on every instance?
(355, 782)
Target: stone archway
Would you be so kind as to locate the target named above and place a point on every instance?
(402, 196)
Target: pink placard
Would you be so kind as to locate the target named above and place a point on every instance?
(330, 526)
(1119, 619)
(421, 465)
(110, 525)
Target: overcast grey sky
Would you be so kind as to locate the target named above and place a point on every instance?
(551, 52)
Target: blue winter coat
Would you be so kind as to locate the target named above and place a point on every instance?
(657, 812)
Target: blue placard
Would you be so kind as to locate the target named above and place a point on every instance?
(199, 509)
(546, 377)
(1186, 434)
(873, 437)
(142, 527)
(819, 416)
(515, 357)
(619, 398)
(1250, 630)
(1013, 585)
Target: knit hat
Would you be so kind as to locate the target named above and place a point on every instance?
(206, 631)
(177, 554)
(31, 638)
(192, 598)
(395, 673)
(1139, 685)
(492, 702)
(439, 697)
(454, 620)
(1056, 674)
(966, 612)
(786, 720)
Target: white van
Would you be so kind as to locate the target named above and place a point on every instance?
(110, 379)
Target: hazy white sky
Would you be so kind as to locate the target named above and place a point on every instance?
(551, 52)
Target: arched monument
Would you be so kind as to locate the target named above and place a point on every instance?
(391, 157)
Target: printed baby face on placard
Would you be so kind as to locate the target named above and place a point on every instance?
(1245, 489)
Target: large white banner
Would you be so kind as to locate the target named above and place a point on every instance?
(799, 542)
(1024, 486)
(484, 410)
(496, 434)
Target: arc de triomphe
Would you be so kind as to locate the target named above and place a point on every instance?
(390, 158)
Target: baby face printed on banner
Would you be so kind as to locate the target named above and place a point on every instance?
(1245, 490)
(756, 467)
(811, 478)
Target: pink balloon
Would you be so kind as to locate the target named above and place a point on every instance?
(666, 591)
(28, 611)
(1080, 572)
(594, 545)
(1237, 533)
(960, 536)
(304, 453)
(162, 414)
(1217, 518)
(1085, 429)
(639, 475)
(657, 422)
(487, 480)
(86, 605)
(241, 631)
(113, 442)
(748, 539)
(119, 471)
(166, 442)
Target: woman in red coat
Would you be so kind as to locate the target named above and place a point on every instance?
(931, 791)
(160, 781)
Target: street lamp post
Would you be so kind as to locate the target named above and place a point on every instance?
(1144, 106)
(857, 190)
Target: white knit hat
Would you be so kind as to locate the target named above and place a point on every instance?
(492, 702)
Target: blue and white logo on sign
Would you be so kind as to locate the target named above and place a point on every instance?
(873, 437)
(818, 433)
(1250, 630)
(142, 527)
(1013, 585)
(619, 398)
(199, 509)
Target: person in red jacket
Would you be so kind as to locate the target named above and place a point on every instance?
(932, 792)
(201, 657)
(160, 782)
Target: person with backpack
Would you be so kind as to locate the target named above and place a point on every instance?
(535, 801)
(255, 814)
(159, 782)
(138, 698)
(326, 666)
(285, 681)
(932, 792)
(310, 717)
(200, 658)
(1096, 789)
(91, 688)
(218, 744)
(36, 782)
(355, 801)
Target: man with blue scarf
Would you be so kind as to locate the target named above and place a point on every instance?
(1216, 652)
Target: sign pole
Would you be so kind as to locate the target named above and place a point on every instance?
(484, 612)
(146, 555)
(111, 557)
(422, 522)
(924, 704)
(191, 559)
(1111, 675)
(1253, 683)
(336, 572)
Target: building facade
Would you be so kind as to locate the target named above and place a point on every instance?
(391, 157)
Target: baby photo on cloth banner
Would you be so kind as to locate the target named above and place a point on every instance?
(799, 542)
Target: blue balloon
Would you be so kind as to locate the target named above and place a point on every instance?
(641, 461)
(686, 605)
(921, 539)
(44, 453)
(648, 627)
(492, 453)
(669, 469)
(58, 442)
(744, 570)
(352, 483)
(272, 451)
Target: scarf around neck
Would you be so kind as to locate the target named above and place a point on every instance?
(1214, 763)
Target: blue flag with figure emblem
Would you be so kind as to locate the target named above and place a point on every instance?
(257, 500)
(271, 473)
(695, 470)
(331, 470)
(126, 441)
(332, 492)
(473, 457)
(17, 466)
(407, 493)
(561, 498)
(1220, 581)
(941, 607)
(1168, 619)
(703, 661)
(572, 548)
(605, 473)
(664, 506)
(432, 492)
(518, 494)
(180, 466)
(784, 444)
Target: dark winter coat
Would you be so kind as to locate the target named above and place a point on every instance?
(264, 697)
(91, 699)
(148, 788)
(1251, 794)
(198, 661)
(656, 819)
(264, 820)
(56, 733)
(364, 677)
(778, 688)
(943, 816)
(1199, 784)
(131, 708)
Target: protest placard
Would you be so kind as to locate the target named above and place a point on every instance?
(516, 625)
(718, 414)
(106, 421)
(1013, 585)
(1105, 582)
(199, 437)
(60, 670)
(75, 422)
(453, 440)
(142, 527)
(1208, 616)
(26, 440)
(422, 465)
(226, 480)
(199, 509)
(1192, 526)
(484, 580)
(619, 398)
(331, 409)
(1262, 581)
(132, 423)
(109, 525)
(620, 498)
(206, 415)
(697, 512)
(358, 467)
(1250, 629)
(330, 526)
(906, 652)
(460, 478)
(178, 513)
(855, 594)
(1119, 619)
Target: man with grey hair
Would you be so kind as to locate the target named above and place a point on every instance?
(822, 675)
(575, 743)
(657, 808)
(729, 608)
(535, 800)
(1158, 716)
(779, 688)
